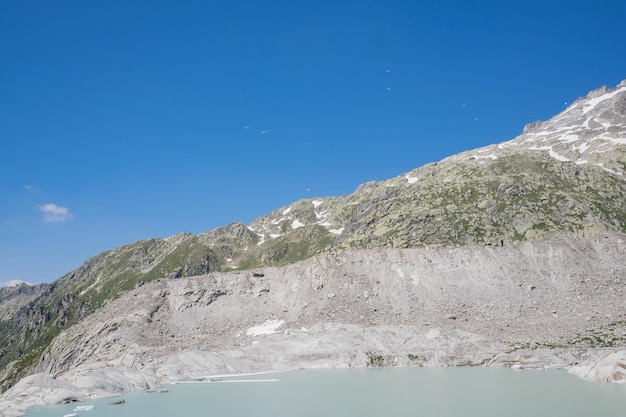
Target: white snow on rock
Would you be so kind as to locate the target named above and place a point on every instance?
(269, 327)
(592, 103)
(490, 156)
(587, 126)
(296, 224)
(557, 156)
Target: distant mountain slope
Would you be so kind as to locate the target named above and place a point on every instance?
(565, 176)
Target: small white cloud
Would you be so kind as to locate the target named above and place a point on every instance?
(54, 214)
(30, 187)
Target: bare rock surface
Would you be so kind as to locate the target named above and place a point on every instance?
(609, 366)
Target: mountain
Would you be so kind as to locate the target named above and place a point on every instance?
(559, 180)
(559, 177)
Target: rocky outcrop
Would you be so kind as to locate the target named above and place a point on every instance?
(45, 388)
(17, 297)
(608, 366)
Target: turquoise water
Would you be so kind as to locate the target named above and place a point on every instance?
(424, 392)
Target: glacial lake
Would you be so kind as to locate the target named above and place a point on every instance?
(380, 392)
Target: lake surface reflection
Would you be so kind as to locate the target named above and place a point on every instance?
(424, 392)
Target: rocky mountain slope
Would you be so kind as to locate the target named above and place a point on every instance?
(551, 303)
(559, 180)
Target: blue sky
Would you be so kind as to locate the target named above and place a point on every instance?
(127, 120)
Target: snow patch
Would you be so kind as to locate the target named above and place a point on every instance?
(287, 211)
(269, 327)
(296, 224)
(591, 104)
(582, 147)
(411, 180)
(557, 156)
(336, 231)
(569, 138)
(621, 141)
(316, 203)
(490, 156)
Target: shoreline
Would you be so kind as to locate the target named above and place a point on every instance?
(84, 403)
(607, 363)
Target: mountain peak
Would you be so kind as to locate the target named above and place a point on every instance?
(592, 130)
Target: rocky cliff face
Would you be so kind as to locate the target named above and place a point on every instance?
(537, 304)
(512, 246)
(547, 293)
(17, 297)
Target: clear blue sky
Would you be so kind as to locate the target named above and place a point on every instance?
(126, 120)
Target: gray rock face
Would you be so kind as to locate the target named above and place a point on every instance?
(79, 385)
(17, 297)
(524, 306)
(609, 366)
(591, 131)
